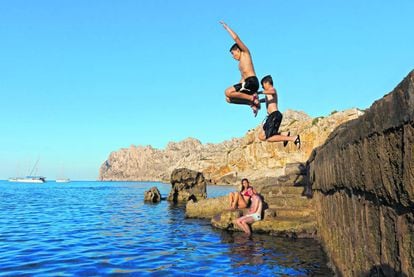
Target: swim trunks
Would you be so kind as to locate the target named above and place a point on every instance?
(249, 86)
(272, 124)
(256, 216)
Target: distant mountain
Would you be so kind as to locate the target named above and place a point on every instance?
(229, 161)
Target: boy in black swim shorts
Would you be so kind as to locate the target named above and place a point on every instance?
(270, 130)
(244, 92)
(249, 86)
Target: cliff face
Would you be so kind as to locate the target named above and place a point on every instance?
(363, 182)
(229, 161)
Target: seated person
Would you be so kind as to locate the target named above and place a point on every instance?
(240, 199)
(254, 214)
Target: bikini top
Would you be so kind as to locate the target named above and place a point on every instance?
(248, 192)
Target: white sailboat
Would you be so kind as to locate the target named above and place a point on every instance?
(63, 180)
(30, 178)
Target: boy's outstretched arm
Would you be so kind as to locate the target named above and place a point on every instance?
(236, 38)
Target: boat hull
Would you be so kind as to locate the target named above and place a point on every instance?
(37, 180)
(62, 180)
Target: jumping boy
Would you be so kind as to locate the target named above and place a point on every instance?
(244, 92)
(270, 130)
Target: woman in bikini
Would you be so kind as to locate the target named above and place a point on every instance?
(240, 199)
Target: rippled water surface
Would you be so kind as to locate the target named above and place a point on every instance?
(105, 228)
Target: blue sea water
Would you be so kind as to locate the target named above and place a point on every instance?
(105, 228)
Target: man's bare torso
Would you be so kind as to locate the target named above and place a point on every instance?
(246, 66)
(257, 205)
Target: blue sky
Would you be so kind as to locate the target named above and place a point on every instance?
(80, 79)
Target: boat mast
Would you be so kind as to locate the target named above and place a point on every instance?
(34, 167)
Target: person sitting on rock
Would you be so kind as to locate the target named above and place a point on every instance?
(270, 130)
(240, 199)
(254, 214)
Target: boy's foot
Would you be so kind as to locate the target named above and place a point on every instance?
(297, 141)
(255, 110)
(286, 141)
(255, 104)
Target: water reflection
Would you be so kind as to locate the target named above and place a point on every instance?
(286, 256)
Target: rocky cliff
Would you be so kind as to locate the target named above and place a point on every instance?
(229, 161)
(363, 184)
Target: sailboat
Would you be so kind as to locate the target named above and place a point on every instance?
(63, 180)
(30, 178)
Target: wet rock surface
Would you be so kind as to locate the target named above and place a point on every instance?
(363, 184)
(152, 195)
(187, 185)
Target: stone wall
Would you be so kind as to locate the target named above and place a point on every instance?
(363, 184)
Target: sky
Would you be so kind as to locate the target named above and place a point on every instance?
(80, 79)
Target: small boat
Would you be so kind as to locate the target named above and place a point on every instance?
(31, 178)
(63, 180)
(28, 179)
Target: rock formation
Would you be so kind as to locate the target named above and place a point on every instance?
(363, 184)
(288, 210)
(187, 185)
(225, 162)
(152, 195)
(206, 208)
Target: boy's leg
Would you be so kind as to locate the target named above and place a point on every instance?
(231, 199)
(238, 101)
(245, 224)
(262, 135)
(236, 199)
(277, 138)
(232, 95)
(241, 203)
(239, 223)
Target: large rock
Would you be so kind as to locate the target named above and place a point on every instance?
(152, 195)
(363, 183)
(225, 219)
(187, 185)
(229, 161)
(206, 208)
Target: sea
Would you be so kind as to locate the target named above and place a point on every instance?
(91, 228)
